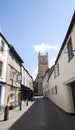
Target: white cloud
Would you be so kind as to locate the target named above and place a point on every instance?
(44, 47)
(34, 74)
(52, 61)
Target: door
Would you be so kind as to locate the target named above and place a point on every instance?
(0, 94)
(73, 93)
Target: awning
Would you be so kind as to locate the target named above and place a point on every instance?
(72, 80)
(2, 83)
(25, 87)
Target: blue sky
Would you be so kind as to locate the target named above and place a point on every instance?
(35, 25)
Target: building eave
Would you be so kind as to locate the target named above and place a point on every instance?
(67, 34)
(27, 72)
(12, 49)
(50, 73)
(72, 80)
(4, 39)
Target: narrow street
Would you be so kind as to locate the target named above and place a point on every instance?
(41, 116)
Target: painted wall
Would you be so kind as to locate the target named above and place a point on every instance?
(58, 89)
(13, 85)
(3, 95)
(45, 85)
(26, 78)
(3, 58)
(63, 98)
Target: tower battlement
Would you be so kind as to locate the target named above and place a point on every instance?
(42, 68)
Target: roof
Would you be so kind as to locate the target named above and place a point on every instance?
(12, 49)
(27, 72)
(4, 39)
(67, 34)
(49, 71)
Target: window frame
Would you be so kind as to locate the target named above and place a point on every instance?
(1, 68)
(2, 46)
(11, 73)
(56, 70)
(70, 50)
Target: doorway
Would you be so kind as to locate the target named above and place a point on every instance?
(73, 93)
(0, 95)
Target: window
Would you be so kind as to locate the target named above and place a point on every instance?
(23, 80)
(0, 94)
(1, 64)
(56, 70)
(55, 89)
(12, 94)
(16, 78)
(2, 46)
(11, 73)
(70, 50)
(23, 72)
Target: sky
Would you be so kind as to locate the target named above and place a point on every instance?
(34, 26)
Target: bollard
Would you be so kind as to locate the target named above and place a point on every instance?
(27, 102)
(20, 105)
(6, 113)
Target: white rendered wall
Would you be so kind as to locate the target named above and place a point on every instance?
(64, 98)
(3, 58)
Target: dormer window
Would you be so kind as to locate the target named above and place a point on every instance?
(70, 50)
(2, 46)
(1, 64)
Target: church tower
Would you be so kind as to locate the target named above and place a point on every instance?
(42, 68)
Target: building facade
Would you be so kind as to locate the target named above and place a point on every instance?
(26, 85)
(61, 83)
(45, 83)
(3, 68)
(16, 83)
(13, 88)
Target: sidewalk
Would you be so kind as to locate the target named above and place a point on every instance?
(14, 115)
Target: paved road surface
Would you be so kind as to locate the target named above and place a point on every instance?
(41, 116)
